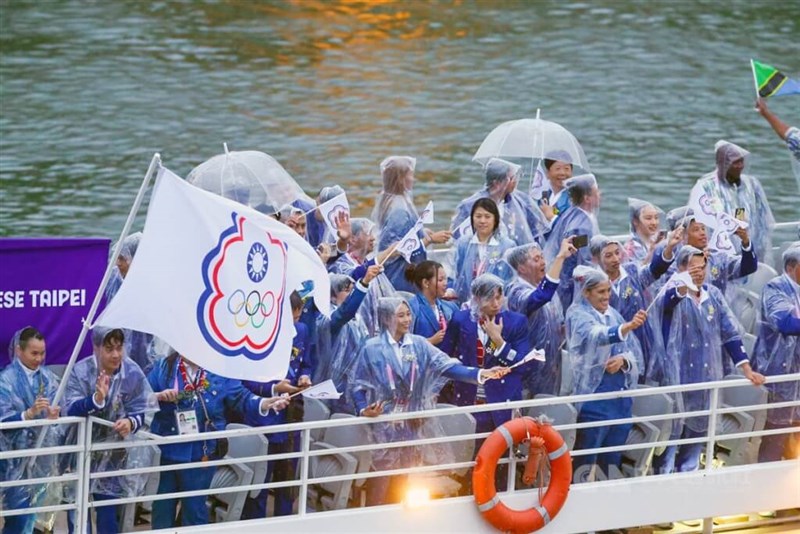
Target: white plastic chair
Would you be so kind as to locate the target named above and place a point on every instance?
(315, 410)
(330, 495)
(743, 450)
(756, 281)
(636, 463)
(567, 378)
(351, 436)
(239, 474)
(561, 414)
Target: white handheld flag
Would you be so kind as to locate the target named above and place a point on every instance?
(728, 223)
(331, 210)
(322, 391)
(534, 354)
(705, 206)
(681, 279)
(212, 278)
(539, 182)
(721, 242)
(410, 242)
(427, 214)
(465, 228)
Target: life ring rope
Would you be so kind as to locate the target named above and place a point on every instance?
(543, 438)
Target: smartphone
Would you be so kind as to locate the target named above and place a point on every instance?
(740, 214)
(580, 241)
(662, 234)
(546, 196)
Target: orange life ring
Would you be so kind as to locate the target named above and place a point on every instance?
(495, 446)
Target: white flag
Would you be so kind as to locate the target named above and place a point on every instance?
(704, 206)
(539, 182)
(410, 242)
(427, 214)
(465, 228)
(534, 354)
(721, 242)
(322, 391)
(729, 223)
(212, 278)
(681, 279)
(331, 210)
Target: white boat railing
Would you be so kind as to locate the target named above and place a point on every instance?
(84, 473)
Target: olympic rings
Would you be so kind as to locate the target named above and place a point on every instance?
(253, 304)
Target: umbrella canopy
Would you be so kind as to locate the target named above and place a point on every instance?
(251, 178)
(528, 140)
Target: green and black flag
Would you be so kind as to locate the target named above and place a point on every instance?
(772, 82)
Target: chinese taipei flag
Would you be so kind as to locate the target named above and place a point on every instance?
(212, 278)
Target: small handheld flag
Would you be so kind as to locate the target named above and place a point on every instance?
(427, 214)
(772, 82)
(331, 210)
(322, 391)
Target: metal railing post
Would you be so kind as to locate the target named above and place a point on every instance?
(708, 522)
(82, 510)
(303, 501)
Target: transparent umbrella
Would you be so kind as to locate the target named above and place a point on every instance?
(251, 178)
(528, 141)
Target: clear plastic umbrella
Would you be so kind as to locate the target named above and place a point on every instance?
(528, 141)
(251, 178)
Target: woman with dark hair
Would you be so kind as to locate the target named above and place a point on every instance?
(483, 251)
(430, 313)
(395, 215)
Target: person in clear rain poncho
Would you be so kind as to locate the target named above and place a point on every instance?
(27, 390)
(695, 326)
(521, 221)
(400, 372)
(777, 350)
(722, 266)
(430, 312)
(631, 282)
(110, 386)
(579, 219)
(531, 293)
(605, 357)
(361, 244)
(483, 251)
(728, 183)
(645, 226)
(487, 335)
(395, 215)
(341, 335)
(558, 167)
(138, 345)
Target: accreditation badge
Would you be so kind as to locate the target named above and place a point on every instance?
(187, 422)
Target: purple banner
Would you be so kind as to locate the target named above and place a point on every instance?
(49, 284)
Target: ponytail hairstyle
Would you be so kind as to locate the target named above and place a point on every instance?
(425, 270)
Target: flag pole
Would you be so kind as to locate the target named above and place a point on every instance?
(755, 80)
(154, 163)
(87, 323)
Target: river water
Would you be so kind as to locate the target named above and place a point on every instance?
(90, 90)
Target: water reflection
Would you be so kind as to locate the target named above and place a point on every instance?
(90, 90)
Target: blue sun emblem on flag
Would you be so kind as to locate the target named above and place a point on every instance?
(257, 262)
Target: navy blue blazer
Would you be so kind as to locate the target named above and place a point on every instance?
(424, 322)
(461, 341)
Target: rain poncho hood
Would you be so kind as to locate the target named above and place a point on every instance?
(18, 392)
